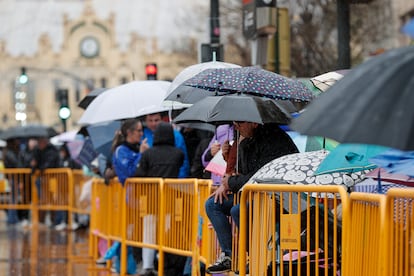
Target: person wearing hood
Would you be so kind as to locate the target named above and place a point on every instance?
(162, 160)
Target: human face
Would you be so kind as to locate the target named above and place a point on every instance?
(134, 134)
(152, 121)
(246, 129)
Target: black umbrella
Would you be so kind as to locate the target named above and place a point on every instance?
(229, 108)
(28, 131)
(372, 104)
(90, 97)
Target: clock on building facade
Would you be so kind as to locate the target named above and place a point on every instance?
(89, 47)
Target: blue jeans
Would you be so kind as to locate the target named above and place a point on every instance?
(12, 217)
(219, 217)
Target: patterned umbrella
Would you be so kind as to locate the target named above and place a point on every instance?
(251, 80)
(299, 168)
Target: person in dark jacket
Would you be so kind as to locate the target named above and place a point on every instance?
(261, 144)
(162, 160)
(45, 156)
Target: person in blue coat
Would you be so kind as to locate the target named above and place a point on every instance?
(151, 122)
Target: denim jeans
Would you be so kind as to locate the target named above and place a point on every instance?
(12, 217)
(219, 217)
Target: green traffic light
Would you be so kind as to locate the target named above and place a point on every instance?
(64, 112)
(23, 79)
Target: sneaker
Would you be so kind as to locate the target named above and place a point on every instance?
(247, 271)
(223, 264)
(61, 226)
(150, 272)
(100, 261)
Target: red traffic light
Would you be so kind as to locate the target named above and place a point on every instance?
(151, 71)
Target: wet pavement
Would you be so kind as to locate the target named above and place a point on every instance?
(45, 251)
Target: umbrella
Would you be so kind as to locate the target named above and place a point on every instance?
(326, 80)
(372, 104)
(229, 108)
(350, 158)
(185, 94)
(64, 137)
(408, 28)
(299, 168)
(28, 131)
(102, 135)
(90, 97)
(251, 80)
(129, 100)
(396, 161)
(82, 151)
(311, 143)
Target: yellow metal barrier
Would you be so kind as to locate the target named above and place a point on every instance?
(366, 236)
(398, 253)
(292, 229)
(16, 189)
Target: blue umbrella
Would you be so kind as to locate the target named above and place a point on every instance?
(408, 28)
(350, 158)
(396, 161)
(102, 135)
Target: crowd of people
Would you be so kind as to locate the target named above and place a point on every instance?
(153, 147)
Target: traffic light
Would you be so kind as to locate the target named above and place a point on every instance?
(151, 71)
(23, 78)
(64, 110)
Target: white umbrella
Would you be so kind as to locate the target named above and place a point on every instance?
(129, 100)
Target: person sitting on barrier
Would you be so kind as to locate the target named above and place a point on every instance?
(125, 160)
(261, 144)
(162, 160)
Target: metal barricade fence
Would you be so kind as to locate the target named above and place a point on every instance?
(16, 189)
(292, 229)
(398, 253)
(365, 235)
(207, 243)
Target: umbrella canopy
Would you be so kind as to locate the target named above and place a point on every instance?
(395, 161)
(408, 28)
(350, 158)
(28, 131)
(251, 80)
(129, 100)
(90, 97)
(180, 93)
(299, 168)
(229, 108)
(372, 104)
(102, 135)
(326, 80)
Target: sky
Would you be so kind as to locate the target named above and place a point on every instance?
(171, 21)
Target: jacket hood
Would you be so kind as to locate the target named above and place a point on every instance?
(164, 135)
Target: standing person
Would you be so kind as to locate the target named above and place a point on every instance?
(125, 159)
(66, 161)
(11, 160)
(162, 160)
(151, 123)
(223, 133)
(260, 144)
(45, 156)
(25, 157)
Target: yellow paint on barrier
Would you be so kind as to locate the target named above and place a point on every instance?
(290, 231)
(178, 215)
(52, 185)
(3, 186)
(143, 206)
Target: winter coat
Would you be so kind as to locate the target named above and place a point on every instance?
(179, 143)
(125, 160)
(268, 142)
(163, 159)
(47, 158)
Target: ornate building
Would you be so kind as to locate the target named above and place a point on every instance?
(90, 58)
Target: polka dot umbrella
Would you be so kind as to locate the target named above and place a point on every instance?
(251, 80)
(299, 168)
